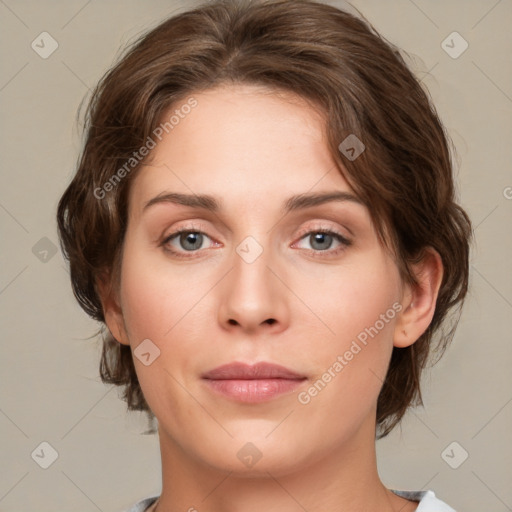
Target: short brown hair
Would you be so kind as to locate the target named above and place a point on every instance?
(338, 62)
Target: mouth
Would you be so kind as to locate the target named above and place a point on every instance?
(260, 382)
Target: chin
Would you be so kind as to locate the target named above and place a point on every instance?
(252, 459)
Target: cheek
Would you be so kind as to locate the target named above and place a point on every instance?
(159, 301)
(358, 310)
(351, 298)
(156, 296)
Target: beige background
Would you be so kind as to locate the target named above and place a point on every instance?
(50, 389)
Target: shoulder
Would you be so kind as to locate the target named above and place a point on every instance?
(143, 505)
(428, 502)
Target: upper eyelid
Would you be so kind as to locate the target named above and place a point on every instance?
(321, 226)
(317, 224)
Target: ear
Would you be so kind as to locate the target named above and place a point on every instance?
(419, 302)
(112, 310)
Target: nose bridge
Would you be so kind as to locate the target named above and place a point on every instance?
(251, 273)
(252, 293)
(256, 248)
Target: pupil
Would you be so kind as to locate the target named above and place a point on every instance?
(319, 238)
(189, 238)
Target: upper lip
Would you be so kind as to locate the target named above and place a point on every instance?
(243, 371)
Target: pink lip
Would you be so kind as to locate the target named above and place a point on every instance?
(252, 383)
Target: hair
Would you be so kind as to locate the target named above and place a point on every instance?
(336, 61)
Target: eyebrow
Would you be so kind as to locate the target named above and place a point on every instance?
(211, 203)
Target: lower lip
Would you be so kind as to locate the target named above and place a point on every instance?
(254, 390)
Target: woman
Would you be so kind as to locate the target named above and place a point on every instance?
(222, 151)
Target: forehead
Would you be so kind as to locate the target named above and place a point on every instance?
(247, 144)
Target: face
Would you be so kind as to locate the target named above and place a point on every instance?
(308, 288)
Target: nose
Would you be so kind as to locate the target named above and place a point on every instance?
(253, 295)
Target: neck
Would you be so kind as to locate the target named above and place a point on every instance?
(342, 478)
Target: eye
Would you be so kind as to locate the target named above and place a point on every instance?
(191, 240)
(187, 240)
(321, 241)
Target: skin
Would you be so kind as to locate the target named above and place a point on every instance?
(253, 149)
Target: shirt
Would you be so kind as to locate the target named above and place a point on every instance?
(427, 502)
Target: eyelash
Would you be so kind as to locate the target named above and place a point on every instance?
(315, 253)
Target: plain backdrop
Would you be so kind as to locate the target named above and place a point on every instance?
(50, 388)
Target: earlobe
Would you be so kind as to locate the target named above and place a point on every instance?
(115, 324)
(112, 311)
(420, 300)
